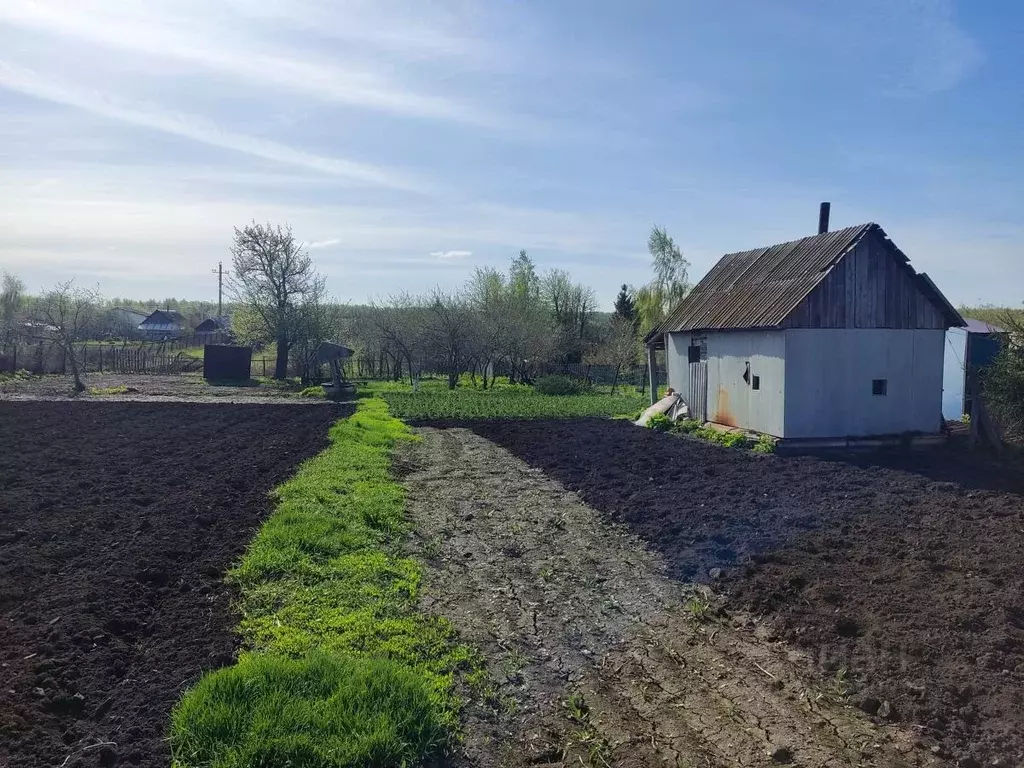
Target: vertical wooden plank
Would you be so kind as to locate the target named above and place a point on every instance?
(652, 372)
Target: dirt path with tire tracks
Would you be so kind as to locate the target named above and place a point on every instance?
(599, 658)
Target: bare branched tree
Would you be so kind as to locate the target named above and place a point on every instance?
(449, 326)
(398, 322)
(66, 311)
(621, 347)
(274, 278)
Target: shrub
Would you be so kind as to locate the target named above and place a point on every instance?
(660, 422)
(764, 444)
(561, 385)
(733, 439)
(728, 439)
(19, 375)
(1004, 390)
(320, 710)
(686, 426)
(315, 391)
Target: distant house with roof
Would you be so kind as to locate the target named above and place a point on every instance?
(124, 322)
(162, 324)
(213, 330)
(833, 336)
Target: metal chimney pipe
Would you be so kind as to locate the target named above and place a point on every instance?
(823, 213)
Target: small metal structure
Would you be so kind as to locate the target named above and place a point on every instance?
(226, 363)
(331, 353)
(969, 350)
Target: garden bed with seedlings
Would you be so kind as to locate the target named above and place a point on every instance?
(901, 576)
(117, 523)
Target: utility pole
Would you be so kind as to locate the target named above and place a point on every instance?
(220, 290)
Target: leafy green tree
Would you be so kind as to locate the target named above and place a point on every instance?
(572, 308)
(1004, 380)
(670, 284)
(625, 307)
(522, 277)
(12, 298)
(1004, 390)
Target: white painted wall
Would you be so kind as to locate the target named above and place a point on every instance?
(953, 376)
(731, 399)
(676, 370)
(829, 374)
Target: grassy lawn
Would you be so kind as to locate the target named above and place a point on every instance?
(339, 667)
(435, 401)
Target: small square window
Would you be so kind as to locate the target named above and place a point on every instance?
(879, 386)
(756, 383)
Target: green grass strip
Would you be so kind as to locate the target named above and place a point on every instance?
(339, 666)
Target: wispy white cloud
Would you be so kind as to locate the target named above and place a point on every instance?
(451, 255)
(325, 243)
(196, 129)
(219, 47)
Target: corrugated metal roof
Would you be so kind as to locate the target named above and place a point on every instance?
(758, 288)
(761, 287)
(163, 317)
(980, 326)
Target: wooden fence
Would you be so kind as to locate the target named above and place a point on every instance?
(47, 357)
(635, 375)
(51, 358)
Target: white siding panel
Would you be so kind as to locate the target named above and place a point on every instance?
(676, 363)
(953, 375)
(829, 374)
(731, 399)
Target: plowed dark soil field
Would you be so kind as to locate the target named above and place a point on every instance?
(117, 522)
(903, 576)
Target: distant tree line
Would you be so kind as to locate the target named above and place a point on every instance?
(517, 321)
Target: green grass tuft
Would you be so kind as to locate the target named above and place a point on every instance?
(325, 583)
(320, 710)
(119, 390)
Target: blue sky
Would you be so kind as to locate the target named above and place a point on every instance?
(408, 142)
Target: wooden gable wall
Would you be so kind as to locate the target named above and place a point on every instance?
(870, 287)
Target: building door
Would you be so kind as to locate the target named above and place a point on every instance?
(698, 356)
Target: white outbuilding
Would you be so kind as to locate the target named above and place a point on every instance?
(831, 337)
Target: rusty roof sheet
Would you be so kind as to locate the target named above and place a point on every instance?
(761, 287)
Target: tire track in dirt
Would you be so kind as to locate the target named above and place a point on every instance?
(599, 657)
